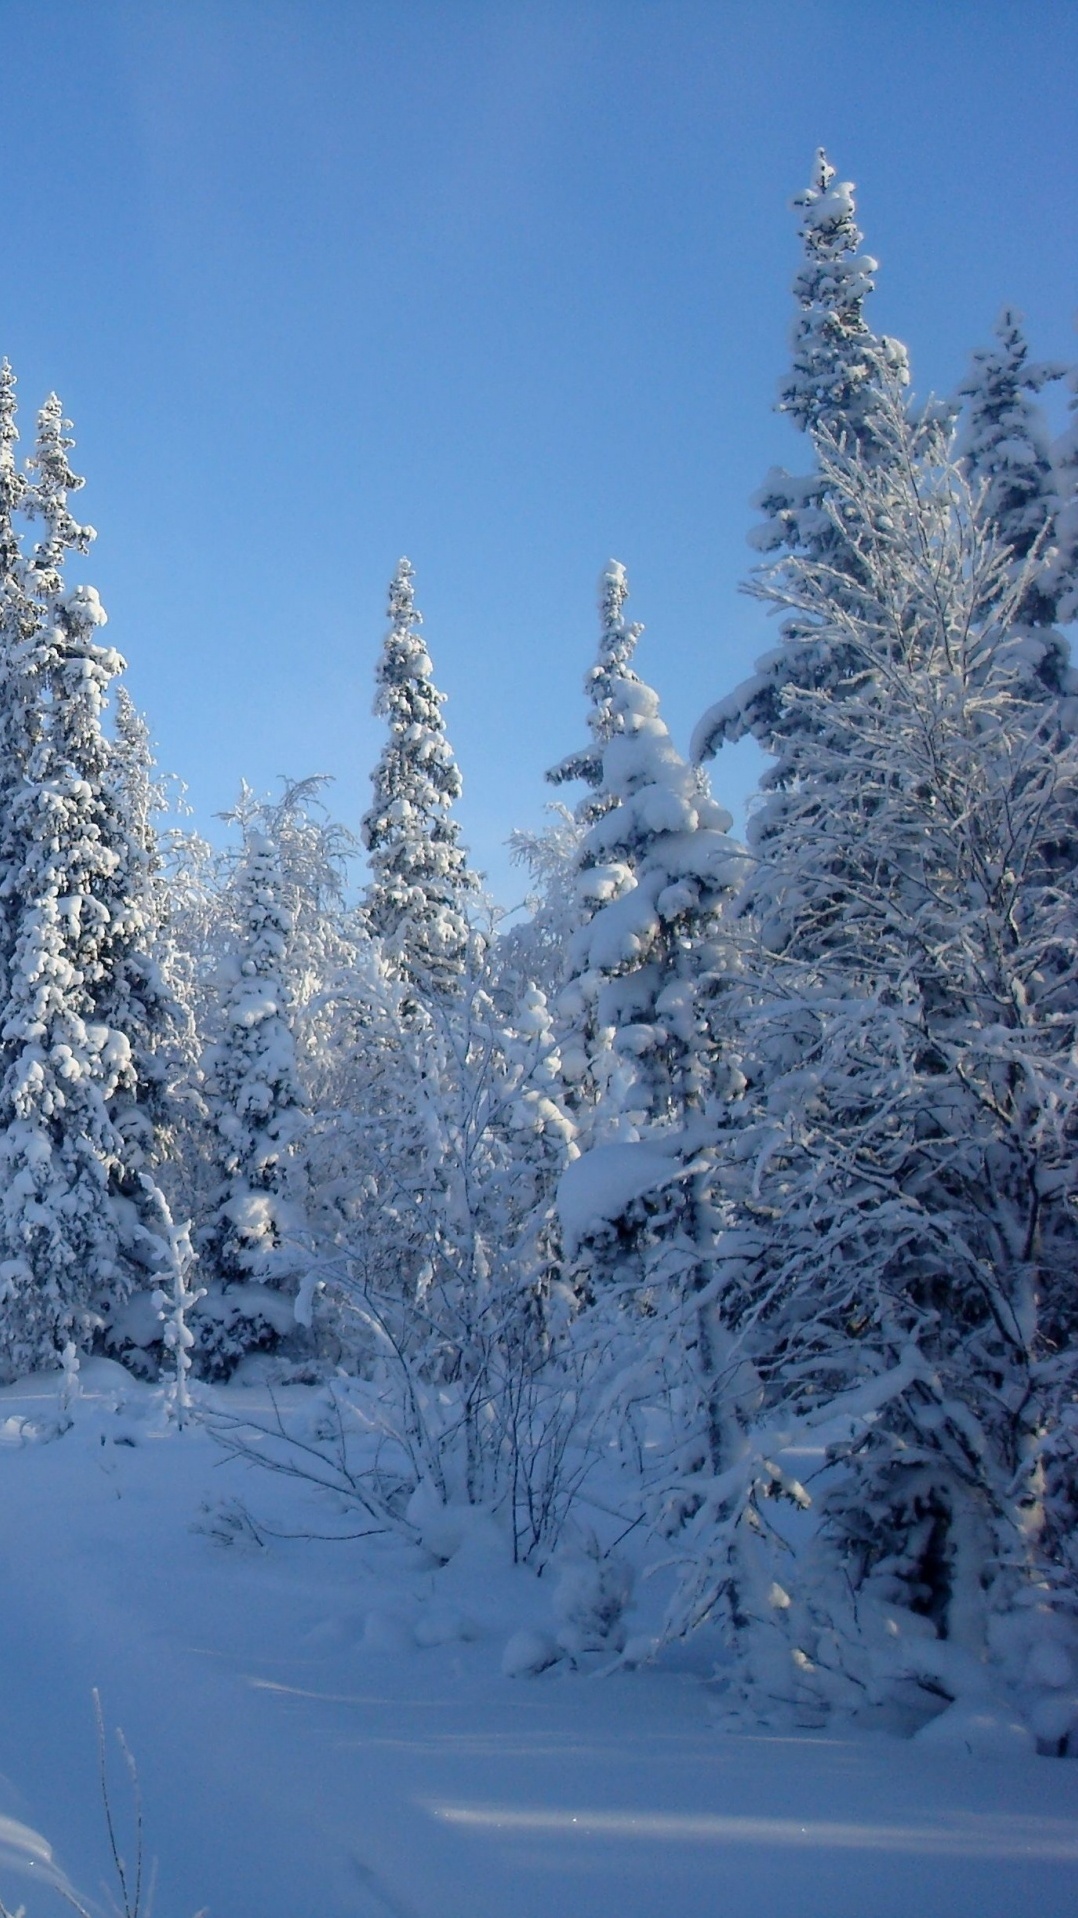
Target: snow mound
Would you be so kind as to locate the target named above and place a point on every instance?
(528, 1653)
(597, 1187)
(978, 1729)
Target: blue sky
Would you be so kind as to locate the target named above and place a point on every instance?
(504, 287)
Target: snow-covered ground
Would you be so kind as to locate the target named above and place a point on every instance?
(322, 1728)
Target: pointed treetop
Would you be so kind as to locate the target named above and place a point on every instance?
(421, 884)
(402, 594)
(54, 442)
(1003, 443)
(837, 359)
(1006, 368)
(52, 479)
(617, 643)
(405, 661)
(12, 482)
(829, 210)
(1064, 571)
(9, 432)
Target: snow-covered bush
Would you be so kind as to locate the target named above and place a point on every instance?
(433, 1169)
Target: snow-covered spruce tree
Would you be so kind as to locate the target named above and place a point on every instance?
(1062, 581)
(256, 1109)
(837, 360)
(636, 1207)
(1003, 443)
(897, 1278)
(139, 994)
(421, 885)
(327, 947)
(205, 928)
(597, 879)
(73, 1243)
(618, 639)
(636, 962)
(19, 718)
(839, 369)
(568, 889)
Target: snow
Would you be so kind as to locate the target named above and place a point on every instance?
(599, 1185)
(325, 1726)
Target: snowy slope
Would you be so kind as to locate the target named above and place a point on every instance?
(322, 1728)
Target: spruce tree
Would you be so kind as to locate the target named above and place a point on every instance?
(637, 962)
(70, 1250)
(139, 994)
(1003, 443)
(837, 361)
(637, 1206)
(899, 1262)
(251, 1087)
(617, 643)
(1063, 569)
(598, 876)
(19, 718)
(833, 388)
(421, 887)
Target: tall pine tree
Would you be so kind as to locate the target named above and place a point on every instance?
(1003, 443)
(1064, 569)
(72, 1245)
(840, 366)
(252, 1088)
(898, 1270)
(421, 886)
(617, 643)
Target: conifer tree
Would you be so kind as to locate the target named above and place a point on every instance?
(598, 878)
(637, 1205)
(69, 1251)
(637, 962)
(839, 369)
(1063, 570)
(138, 994)
(251, 1086)
(837, 360)
(421, 886)
(1004, 446)
(645, 954)
(617, 643)
(19, 720)
(899, 1261)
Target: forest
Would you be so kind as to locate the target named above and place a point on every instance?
(716, 1216)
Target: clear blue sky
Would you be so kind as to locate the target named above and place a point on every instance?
(501, 286)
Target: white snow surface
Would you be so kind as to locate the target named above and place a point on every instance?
(323, 1727)
(596, 1188)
